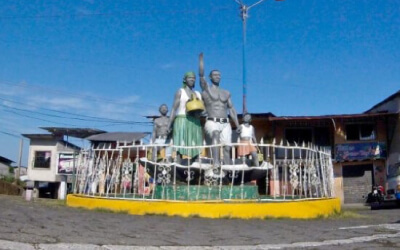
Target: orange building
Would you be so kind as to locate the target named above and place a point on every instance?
(363, 145)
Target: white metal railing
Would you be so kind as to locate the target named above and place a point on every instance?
(128, 172)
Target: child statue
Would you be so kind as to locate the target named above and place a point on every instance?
(160, 133)
(248, 140)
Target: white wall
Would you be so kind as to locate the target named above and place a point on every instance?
(392, 106)
(45, 174)
(4, 171)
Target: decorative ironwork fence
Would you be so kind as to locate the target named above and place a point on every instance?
(130, 172)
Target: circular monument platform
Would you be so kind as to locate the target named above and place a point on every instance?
(240, 209)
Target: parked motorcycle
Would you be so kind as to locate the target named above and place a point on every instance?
(376, 198)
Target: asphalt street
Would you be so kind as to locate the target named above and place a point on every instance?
(49, 224)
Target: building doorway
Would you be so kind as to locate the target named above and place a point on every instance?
(357, 182)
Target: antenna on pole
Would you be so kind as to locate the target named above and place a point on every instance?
(244, 10)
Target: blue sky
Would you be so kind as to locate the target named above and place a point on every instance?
(73, 63)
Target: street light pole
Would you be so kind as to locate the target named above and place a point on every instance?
(244, 9)
(244, 15)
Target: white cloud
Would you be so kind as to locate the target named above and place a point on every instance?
(83, 11)
(12, 90)
(129, 99)
(58, 103)
(39, 99)
(89, 1)
(167, 66)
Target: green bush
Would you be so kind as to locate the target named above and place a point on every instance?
(11, 179)
(8, 178)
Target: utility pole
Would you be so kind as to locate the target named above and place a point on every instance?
(244, 10)
(21, 144)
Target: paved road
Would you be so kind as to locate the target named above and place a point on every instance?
(48, 224)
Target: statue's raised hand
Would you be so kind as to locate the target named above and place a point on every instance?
(201, 65)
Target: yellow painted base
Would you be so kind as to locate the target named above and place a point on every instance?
(303, 209)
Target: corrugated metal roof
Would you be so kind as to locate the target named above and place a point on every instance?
(118, 136)
(282, 118)
(58, 138)
(258, 115)
(74, 132)
(70, 145)
(5, 160)
(42, 136)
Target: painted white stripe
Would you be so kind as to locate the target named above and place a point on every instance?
(357, 227)
(72, 246)
(387, 226)
(5, 244)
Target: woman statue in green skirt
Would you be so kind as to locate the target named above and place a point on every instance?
(186, 125)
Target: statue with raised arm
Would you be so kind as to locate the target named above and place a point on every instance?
(160, 133)
(186, 123)
(218, 103)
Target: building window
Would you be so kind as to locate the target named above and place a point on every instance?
(360, 132)
(393, 171)
(42, 159)
(298, 135)
(322, 136)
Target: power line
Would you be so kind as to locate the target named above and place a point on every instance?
(114, 124)
(68, 124)
(47, 89)
(10, 134)
(95, 119)
(110, 14)
(12, 130)
(62, 112)
(36, 118)
(72, 125)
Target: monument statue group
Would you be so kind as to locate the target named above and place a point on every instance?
(184, 127)
(200, 157)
